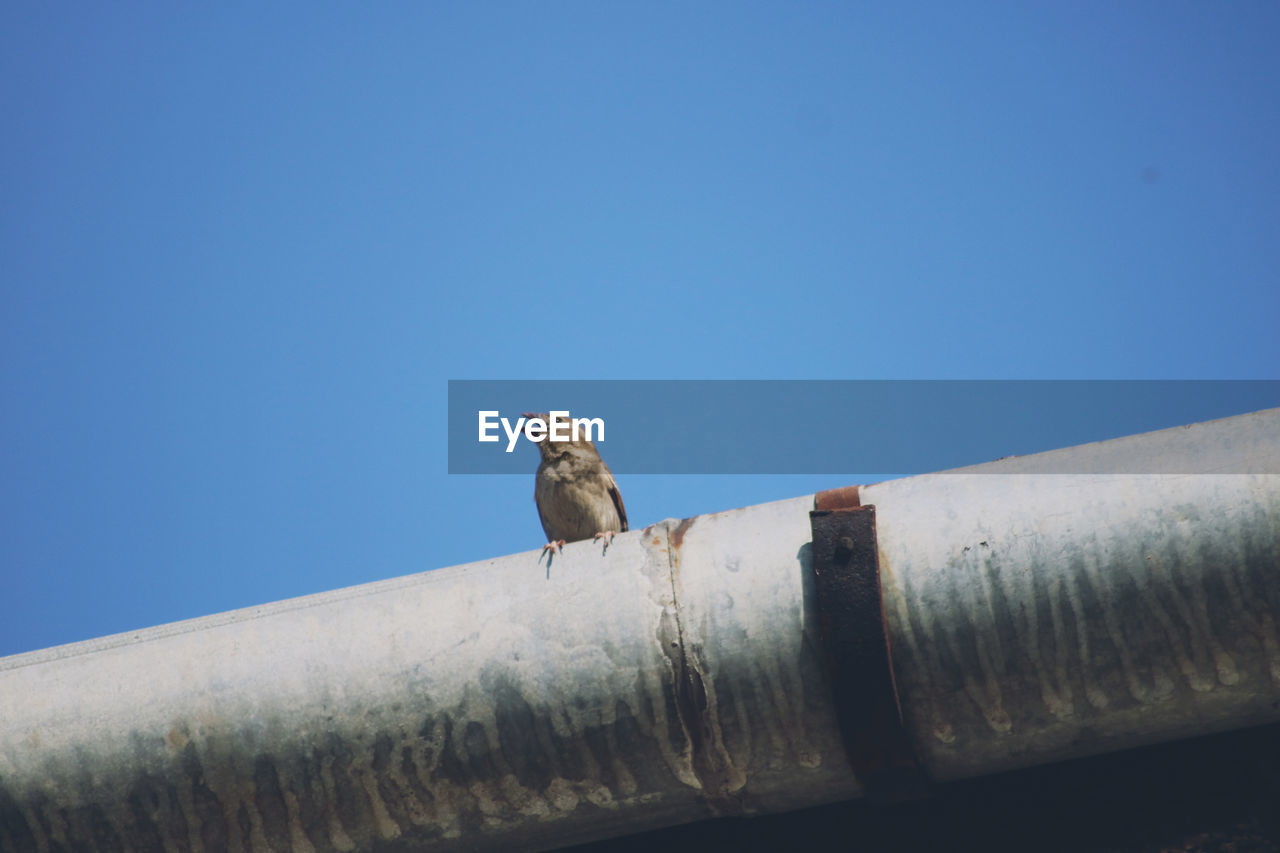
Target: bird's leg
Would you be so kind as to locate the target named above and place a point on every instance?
(607, 536)
(556, 546)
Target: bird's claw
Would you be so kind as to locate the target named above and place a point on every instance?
(556, 546)
(607, 536)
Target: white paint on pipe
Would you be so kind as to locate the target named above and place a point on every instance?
(1038, 617)
(499, 705)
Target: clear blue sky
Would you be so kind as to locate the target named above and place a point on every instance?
(242, 250)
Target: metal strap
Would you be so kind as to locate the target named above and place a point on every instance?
(847, 570)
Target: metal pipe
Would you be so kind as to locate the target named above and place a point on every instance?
(1037, 617)
(498, 705)
(507, 705)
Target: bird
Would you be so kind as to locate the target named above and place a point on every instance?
(575, 492)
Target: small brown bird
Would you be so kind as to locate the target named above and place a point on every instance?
(576, 494)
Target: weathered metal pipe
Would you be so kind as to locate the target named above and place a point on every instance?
(1036, 617)
(502, 705)
(499, 705)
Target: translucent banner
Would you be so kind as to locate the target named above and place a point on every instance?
(863, 427)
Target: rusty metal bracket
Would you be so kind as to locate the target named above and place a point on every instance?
(847, 570)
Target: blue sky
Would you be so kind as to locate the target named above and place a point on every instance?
(243, 249)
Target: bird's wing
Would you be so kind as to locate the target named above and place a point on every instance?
(612, 485)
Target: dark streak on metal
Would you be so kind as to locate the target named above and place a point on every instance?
(214, 833)
(100, 829)
(143, 801)
(525, 748)
(383, 754)
(690, 697)
(847, 579)
(269, 800)
(350, 804)
(246, 828)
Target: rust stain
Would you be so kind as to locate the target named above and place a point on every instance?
(677, 536)
(845, 497)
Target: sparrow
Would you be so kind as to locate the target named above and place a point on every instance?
(576, 494)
